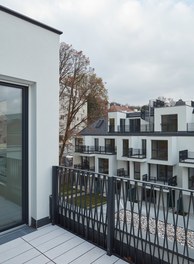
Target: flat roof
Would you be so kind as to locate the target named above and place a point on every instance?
(28, 19)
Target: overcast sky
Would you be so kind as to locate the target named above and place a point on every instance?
(142, 49)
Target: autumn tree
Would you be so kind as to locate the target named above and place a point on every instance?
(78, 84)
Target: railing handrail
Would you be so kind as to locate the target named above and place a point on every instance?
(132, 180)
(95, 149)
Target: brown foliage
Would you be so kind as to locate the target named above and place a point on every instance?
(78, 83)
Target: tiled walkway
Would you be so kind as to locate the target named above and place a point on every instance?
(52, 244)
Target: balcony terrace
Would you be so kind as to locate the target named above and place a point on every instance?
(149, 128)
(136, 227)
(130, 129)
(135, 153)
(186, 156)
(52, 244)
(172, 181)
(95, 149)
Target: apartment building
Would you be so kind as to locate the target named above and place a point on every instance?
(154, 145)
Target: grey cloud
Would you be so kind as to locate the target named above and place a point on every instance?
(141, 48)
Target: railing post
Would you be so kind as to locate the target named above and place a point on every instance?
(54, 208)
(110, 215)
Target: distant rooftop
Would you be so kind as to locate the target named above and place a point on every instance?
(114, 107)
(99, 127)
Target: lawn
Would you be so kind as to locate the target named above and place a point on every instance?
(89, 200)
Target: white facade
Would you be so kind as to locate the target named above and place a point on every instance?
(147, 150)
(29, 57)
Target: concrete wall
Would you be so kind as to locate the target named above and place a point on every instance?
(29, 56)
(184, 113)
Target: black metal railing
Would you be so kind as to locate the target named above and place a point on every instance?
(149, 128)
(171, 181)
(134, 219)
(84, 167)
(132, 129)
(137, 153)
(186, 156)
(121, 172)
(95, 149)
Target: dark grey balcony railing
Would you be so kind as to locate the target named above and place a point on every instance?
(186, 156)
(138, 220)
(95, 149)
(132, 129)
(84, 167)
(137, 153)
(171, 181)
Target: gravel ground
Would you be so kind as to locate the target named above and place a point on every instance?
(162, 228)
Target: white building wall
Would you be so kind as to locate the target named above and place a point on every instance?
(29, 56)
(184, 113)
(116, 116)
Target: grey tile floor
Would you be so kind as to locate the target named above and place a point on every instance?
(52, 244)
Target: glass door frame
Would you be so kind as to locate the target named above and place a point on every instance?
(25, 198)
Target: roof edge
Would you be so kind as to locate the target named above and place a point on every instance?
(28, 19)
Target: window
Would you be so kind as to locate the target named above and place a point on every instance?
(111, 125)
(99, 123)
(143, 143)
(160, 149)
(191, 178)
(164, 173)
(110, 145)
(136, 170)
(125, 147)
(169, 123)
(103, 166)
(122, 125)
(134, 125)
(78, 141)
(96, 144)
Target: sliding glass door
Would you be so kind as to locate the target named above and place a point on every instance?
(13, 155)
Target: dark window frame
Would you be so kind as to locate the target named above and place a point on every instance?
(137, 169)
(191, 178)
(159, 149)
(125, 147)
(169, 123)
(25, 180)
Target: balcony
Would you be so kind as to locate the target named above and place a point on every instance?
(137, 153)
(172, 181)
(84, 167)
(53, 244)
(149, 128)
(95, 149)
(133, 153)
(141, 223)
(130, 129)
(186, 156)
(122, 172)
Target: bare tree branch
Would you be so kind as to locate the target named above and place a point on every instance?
(78, 84)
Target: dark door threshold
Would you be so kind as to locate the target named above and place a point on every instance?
(15, 233)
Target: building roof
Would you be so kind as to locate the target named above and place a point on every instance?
(119, 108)
(99, 127)
(28, 19)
